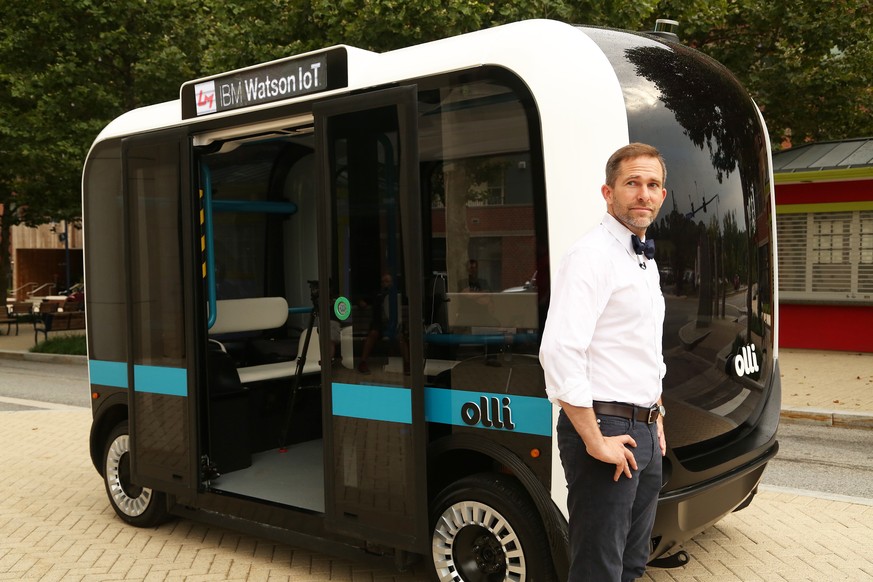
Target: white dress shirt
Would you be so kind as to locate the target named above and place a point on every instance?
(603, 334)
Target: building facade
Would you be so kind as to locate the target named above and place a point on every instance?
(824, 208)
(46, 260)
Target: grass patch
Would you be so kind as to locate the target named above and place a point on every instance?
(73, 345)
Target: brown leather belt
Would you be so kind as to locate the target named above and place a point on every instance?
(628, 411)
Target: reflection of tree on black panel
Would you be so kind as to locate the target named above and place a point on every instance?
(726, 128)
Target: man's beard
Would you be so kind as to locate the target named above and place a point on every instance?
(637, 222)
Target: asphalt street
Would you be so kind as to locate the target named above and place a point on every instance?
(826, 459)
(24, 384)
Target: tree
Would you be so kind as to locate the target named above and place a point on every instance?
(246, 32)
(66, 68)
(806, 63)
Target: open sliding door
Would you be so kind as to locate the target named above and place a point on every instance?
(156, 183)
(374, 414)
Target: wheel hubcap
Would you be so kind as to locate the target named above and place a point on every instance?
(131, 499)
(473, 542)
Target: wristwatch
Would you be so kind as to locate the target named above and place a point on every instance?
(661, 410)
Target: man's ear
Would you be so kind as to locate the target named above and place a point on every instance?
(607, 193)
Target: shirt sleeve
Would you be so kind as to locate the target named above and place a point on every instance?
(580, 291)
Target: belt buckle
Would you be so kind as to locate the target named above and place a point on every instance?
(653, 415)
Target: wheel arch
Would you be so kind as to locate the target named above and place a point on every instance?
(457, 456)
(111, 411)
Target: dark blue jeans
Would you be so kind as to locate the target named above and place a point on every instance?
(610, 523)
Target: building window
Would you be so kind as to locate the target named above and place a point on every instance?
(865, 252)
(826, 256)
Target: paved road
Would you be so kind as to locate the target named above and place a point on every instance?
(826, 459)
(27, 384)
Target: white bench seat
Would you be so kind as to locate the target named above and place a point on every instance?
(275, 371)
(240, 315)
(261, 372)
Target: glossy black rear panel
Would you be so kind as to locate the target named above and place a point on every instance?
(713, 236)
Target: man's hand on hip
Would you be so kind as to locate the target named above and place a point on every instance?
(612, 450)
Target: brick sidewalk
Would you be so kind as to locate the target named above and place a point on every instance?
(56, 524)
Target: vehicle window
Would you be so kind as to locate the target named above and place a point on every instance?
(105, 264)
(479, 194)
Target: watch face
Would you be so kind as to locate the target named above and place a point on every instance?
(662, 410)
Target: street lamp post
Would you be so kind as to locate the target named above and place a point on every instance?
(64, 237)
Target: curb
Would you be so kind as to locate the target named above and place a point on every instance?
(821, 417)
(37, 357)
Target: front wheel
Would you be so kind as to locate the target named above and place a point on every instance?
(139, 506)
(485, 529)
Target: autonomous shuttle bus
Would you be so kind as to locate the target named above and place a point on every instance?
(317, 286)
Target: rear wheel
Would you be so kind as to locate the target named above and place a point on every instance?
(485, 529)
(139, 506)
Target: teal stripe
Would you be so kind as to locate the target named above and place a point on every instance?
(530, 415)
(385, 403)
(161, 380)
(106, 373)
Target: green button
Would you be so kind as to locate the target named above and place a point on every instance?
(342, 308)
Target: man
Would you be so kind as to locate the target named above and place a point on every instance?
(601, 352)
(386, 323)
(474, 283)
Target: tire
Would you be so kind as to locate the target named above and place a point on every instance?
(138, 506)
(486, 529)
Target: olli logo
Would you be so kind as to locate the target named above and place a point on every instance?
(490, 413)
(746, 361)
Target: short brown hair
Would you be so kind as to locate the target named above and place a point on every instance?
(629, 152)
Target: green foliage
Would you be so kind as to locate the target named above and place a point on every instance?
(806, 63)
(70, 67)
(242, 33)
(67, 67)
(392, 24)
(251, 31)
(73, 345)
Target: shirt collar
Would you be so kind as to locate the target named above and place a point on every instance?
(619, 231)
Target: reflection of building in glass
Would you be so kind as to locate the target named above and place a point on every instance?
(479, 178)
(824, 207)
(500, 237)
